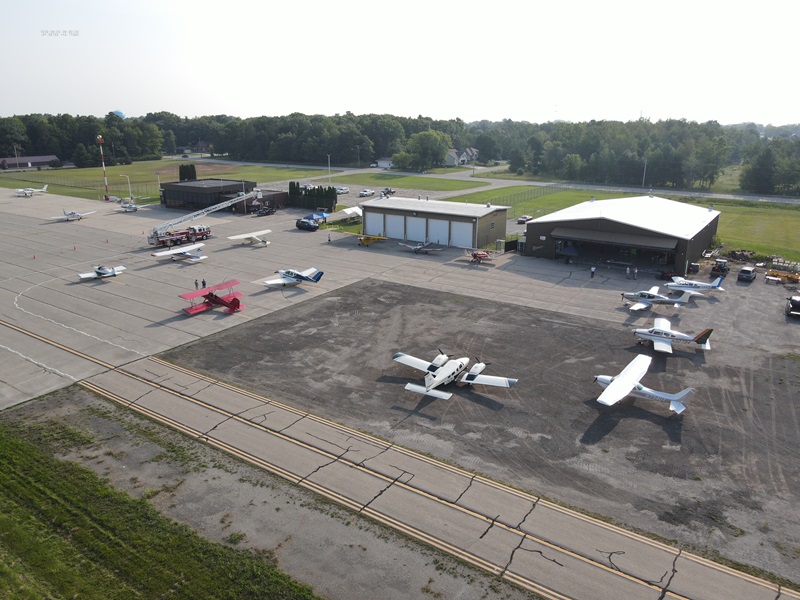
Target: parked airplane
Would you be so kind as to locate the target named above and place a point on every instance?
(101, 272)
(663, 337)
(422, 248)
(679, 284)
(30, 191)
(646, 299)
(443, 370)
(478, 256)
(128, 206)
(292, 277)
(230, 300)
(252, 238)
(184, 253)
(70, 215)
(366, 240)
(627, 384)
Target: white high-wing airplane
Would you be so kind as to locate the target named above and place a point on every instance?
(69, 215)
(100, 272)
(679, 284)
(184, 253)
(646, 299)
(663, 336)
(292, 277)
(443, 370)
(252, 238)
(627, 384)
(30, 191)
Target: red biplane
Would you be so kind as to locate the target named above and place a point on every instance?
(478, 256)
(210, 299)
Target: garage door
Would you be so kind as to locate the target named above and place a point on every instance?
(415, 229)
(373, 223)
(395, 227)
(461, 234)
(438, 231)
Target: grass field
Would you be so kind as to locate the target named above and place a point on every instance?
(64, 533)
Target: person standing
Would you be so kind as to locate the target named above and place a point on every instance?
(196, 284)
(329, 238)
(627, 272)
(204, 284)
(635, 272)
(593, 271)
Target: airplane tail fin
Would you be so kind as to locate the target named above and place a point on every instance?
(412, 387)
(702, 339)
(718, 283)
(680, 401)
(317, 276)
(44, 189)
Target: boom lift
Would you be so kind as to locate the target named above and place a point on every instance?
(166, 234)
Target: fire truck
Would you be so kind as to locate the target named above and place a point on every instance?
(172, 234)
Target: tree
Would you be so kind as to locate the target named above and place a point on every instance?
(758, 176)
(428, 149)
(81, 158)
(187, 172)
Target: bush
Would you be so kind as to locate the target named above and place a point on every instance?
(520, 172)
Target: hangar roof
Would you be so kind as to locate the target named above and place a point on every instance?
(650, 213)
(433, 206)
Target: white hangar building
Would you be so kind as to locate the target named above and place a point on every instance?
(444, 223)
(643, 231)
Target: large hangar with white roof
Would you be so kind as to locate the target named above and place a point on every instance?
(436, 221)
(642, 231)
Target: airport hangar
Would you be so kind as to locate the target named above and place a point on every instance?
(643, 231)
(197, 194)
(435, 221)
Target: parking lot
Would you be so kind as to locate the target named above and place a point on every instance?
(723, 477)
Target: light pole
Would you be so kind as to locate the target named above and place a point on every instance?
(158, 174)
(329, 170)
(130, 193)
(103, 161)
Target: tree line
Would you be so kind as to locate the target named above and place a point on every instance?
(670, 153)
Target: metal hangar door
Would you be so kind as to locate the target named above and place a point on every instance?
(415, 229)
(439, 232)
(461, 234)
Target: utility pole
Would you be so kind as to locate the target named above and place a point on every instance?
(645, 171)
(103, 162)
(329, 170)
(358, 154)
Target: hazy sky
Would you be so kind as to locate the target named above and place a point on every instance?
(580, 60)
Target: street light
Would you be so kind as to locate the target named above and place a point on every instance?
(130, 193)
(329, 170)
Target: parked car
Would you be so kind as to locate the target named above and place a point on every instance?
(793, 306)
(185, 156)
(264, 211)
(342, 190)
(747, 274)
(525, 219)
(367, 192)
(306, 224)
(373, 165)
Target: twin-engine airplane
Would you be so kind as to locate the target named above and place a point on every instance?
(184, 253)
(627, 384)
(422, 248)
(663, 337)
(647, 299)
(230, 300)
(101, 272)
(70, 215)
(443, 370)
(292, 277)
(30, 191)
(252, 238)
(679, 284)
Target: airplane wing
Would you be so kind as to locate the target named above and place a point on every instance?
(252, 237)
(414, 362)
(489, 380)
(412, 246)
(661, 323)
(641, 305)
(85, 276)
(178, 250)
(280, 281)
(195, 259)
(685, 298)
(653, 290)
(623, 383)
(91, 212)
(309, 272)
(225, 285)
(420, 389)
(662, 346)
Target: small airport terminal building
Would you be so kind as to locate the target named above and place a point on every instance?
(647, 232)
(444, 223)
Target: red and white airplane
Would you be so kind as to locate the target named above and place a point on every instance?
(443, 370)
(478, 256)
(210, 299)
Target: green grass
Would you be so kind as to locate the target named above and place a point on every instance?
(380, 180)
(64, 533)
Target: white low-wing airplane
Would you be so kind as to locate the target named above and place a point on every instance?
(292, 277)
(100, 272)
(184, 253)
(646, 299)
(30, 191)
(679, 284)
(128, 206)
(443, 370)
(422, 248)
(627, 384)
(69, 215)
(252, 238)
(663, 336)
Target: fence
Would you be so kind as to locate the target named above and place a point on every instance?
(115, 188)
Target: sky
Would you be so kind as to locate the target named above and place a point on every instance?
(580, 60)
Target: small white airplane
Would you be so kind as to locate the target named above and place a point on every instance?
(128, 206)
(679, 284)
(627, 384)
(663, 336)
(292, 277)
(443, 370)
(422, 248)
(252, 238)
(69, 215)
(184, 253)
(30, 191)
(646, 299)
(101, 272)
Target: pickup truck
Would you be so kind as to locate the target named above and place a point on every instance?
(387, 191)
